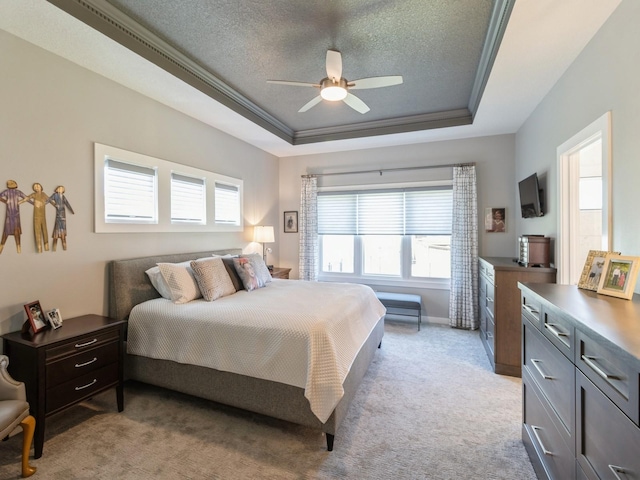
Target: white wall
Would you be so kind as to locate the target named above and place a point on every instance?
(604, 77)
(51, 113)
(494, 158)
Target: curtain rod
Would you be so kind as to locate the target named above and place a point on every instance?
(381, 170)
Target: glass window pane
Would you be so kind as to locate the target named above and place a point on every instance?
(382, 254)
(431, 256)
(337, 253)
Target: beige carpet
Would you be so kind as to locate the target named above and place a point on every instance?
(429, 408)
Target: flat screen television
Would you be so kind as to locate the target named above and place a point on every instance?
(530, 197)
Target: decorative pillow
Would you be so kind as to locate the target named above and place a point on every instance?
(247, 274)
(212, 278)
(157, 280)
(181, 282)
(257, 262)
(233, 275)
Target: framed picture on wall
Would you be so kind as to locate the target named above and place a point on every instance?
(619, 276)
(291, 222)
(495, 220)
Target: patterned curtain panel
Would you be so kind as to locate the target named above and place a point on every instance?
(463, 304)
(308, 226)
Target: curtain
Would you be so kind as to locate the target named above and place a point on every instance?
(463, 304)
(308, 225)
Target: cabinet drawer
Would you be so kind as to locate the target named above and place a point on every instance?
(82, 343)
(81, 387)
(531, 309)
(559, 330)
(489, 335)
(608, 442)
(553, 374)
(613, 371)
(70, 367)
(489, 300)
(551, 449)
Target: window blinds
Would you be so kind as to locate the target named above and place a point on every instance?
(188, 199)
(130, 193)
(423, 211)
(227, 204)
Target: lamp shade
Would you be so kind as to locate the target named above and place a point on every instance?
(263, 234)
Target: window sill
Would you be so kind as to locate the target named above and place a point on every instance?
(433, 284)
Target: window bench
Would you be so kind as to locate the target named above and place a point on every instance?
(409, 304)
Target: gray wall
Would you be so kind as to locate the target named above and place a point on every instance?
(494, 158)
(52, 112)
(604, 77)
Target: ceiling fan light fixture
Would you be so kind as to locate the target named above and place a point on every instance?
(333, 91)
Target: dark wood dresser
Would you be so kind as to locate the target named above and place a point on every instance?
(499, 309)
(581, 383)
(65, 366)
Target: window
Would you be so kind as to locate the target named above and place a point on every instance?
(138, 193)
(401, 234)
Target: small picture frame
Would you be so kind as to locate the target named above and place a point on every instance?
(291, 222)
(55, 318)
(36, 316)
(495, 219)
(592, 270)
(619, 276)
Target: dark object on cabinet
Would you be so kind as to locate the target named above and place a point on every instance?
(534, 251)
(499, 309)
(580, 377)
(68, 365)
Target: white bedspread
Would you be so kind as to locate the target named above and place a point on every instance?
(305, 334)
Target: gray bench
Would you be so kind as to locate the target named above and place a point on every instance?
(405, 302)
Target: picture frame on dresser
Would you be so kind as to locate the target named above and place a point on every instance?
(592, 270)
(55, 318)
(35, 316)
(619, 276)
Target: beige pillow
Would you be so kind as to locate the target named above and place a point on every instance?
(212, 278)
(181, 282)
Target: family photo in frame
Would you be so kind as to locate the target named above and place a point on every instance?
(495, 220)
(55, 319)
(592, 270)
(35, 316)
(619, 276)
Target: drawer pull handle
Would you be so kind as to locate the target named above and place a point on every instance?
(531, 310)
(86, 344)
(616, 470)
(535, 432)
(78, 365)
(535, 362)
(553, 329)
(87, 385)
(489, 300)
(591, 362)
(489, 335)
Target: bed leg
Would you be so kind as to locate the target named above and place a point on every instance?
(380, 344)
(330, 442)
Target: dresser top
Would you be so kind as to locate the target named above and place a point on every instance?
(615, 319)
(507, 263)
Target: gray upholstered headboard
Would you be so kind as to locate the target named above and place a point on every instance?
(129, 285)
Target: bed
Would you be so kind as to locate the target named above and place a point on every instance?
(250, 388)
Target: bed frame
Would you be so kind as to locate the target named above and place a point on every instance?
(129, 286)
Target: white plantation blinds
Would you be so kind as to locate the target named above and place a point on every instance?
(227, 201)
(130, 193)
(422, 211)
(188, 199)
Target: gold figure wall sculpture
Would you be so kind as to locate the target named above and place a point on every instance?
(39, 200)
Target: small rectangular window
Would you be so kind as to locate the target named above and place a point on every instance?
(227, 204)
(188, 199)
(130, 193)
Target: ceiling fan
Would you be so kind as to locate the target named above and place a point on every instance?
(335, 88)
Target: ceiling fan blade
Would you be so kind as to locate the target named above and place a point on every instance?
(355, 103)
(375, 82)
(310, 104)
(334, 65)
(295, 84)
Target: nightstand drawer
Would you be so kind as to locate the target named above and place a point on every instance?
(71, 367)
(82, 343)
(81, 387)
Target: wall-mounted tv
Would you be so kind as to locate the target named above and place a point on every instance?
(530, 197)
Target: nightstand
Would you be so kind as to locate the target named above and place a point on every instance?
(65, 366)
(278, 272)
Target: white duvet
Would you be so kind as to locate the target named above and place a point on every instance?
(305, 334)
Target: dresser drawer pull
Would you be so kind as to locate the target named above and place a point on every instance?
(535, 432)
(531, 310)
(591, 362)
(86, 344)
(489, 300)
(616, 470)
(535, 362)
(489, 335)
(552, 328)
(79, 365)
(87, 385)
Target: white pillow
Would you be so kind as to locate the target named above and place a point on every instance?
(158, 282)
(212, 278)
(181, 282)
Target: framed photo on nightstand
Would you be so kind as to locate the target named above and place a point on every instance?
(36, 316)
(55, 319)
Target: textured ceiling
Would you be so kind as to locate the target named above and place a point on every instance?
(444, 49)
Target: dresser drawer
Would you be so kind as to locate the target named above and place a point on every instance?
(608, 442)
(81, 387)
(82, 343)
(489, 335)
(553, 373)
(612, 371)
(489, 300)
(531, 309)
(542, 434)
(73, 366)
(559, 330)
